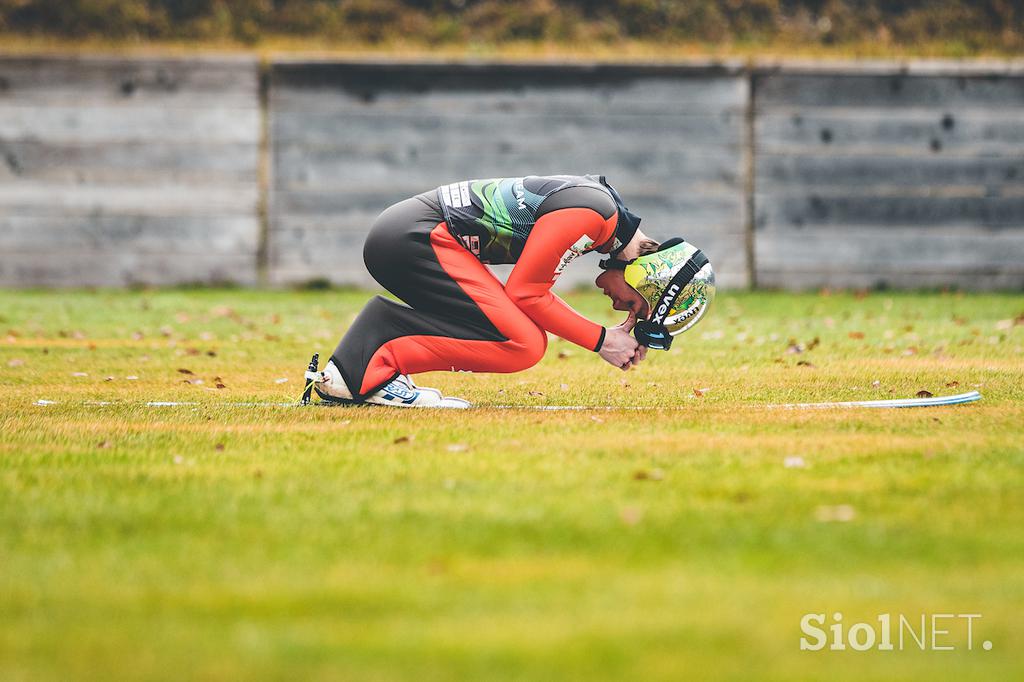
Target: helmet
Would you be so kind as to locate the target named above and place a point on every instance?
(678, 283)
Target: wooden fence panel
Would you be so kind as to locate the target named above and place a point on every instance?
(889, 179)
(348, 140)
(128, 171)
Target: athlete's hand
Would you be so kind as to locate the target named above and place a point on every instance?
(619, 348)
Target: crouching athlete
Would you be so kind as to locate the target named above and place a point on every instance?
(431, 252)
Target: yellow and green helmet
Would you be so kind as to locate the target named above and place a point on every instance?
(679, 284)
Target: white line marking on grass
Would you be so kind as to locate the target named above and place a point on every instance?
(935, 401)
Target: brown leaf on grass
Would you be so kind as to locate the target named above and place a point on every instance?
(562, 355)
(219, 447)
(698, 393)
(952, 384)
(856, 335)
(652, 475)
(109, 379)
(191, 351)
(103, 444)
(631, 515)
(182, 370)
(402, 439)
(211, 353)
(536, 394)
(924, 394)
(220, 385)
(804, 363)
(815, 342)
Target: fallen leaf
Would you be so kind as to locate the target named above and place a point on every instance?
(924, 394)
(652, 475)
(562, 355)
(185, 371)
(402, 439)
(219, 447)
(840, 512)
(536, 394)
(103, 444)
(815, 342)
(804, 363)
(631, 515)
(109, 379)
(191, 351)
(211, 353)
(220, 385)
(856, 335)
(952, 384)
(698, 393)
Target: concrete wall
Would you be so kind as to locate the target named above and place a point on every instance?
(904, 178)
(122, 171)
(116, 171)
(349, 140)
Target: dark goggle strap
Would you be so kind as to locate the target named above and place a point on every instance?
(613, 264)
(653, 333)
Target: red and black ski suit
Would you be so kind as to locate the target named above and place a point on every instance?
(430, 251)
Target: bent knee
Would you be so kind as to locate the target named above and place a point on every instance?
(528, 346)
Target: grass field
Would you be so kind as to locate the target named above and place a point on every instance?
(686, 541)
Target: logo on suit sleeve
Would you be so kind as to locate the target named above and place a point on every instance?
(582, 245)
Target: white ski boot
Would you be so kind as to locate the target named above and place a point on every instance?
(400, 392)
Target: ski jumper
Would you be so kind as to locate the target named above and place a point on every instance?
(430, 251)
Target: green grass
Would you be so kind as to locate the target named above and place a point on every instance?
(222, 542)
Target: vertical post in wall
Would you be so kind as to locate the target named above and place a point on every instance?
(263, 177)
(750, 160)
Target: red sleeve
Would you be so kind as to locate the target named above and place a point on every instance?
(553, 238)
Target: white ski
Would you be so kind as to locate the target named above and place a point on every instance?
(934, 401)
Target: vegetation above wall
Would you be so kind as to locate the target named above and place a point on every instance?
(939, 27)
